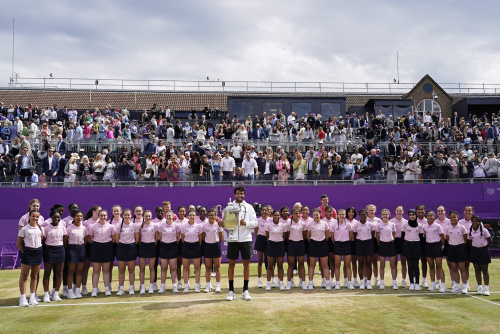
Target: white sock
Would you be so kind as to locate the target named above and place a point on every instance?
(382, 282)
(355, 280)
(273, 280)
(53, 290)
(269, 282)
(290, 282)
(394, 281)
(300, 281)
(23, 296)
(33, 295)
(106, 288)
(345, 280)
(486, 286)
(77, 290)
(453, 283)
(433, 282)
(94, 289)
(438, 282)
(337, 282)
(365, 279)
(84, 286)
(467, 282)
(46, 293)
(403, 280)
(65, 287)
(163, 285)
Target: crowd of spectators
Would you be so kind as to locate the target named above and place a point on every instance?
(159, 147)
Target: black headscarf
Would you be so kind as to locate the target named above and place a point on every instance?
(412, 223)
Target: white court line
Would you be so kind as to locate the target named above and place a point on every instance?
(53, 304)
(485, 300)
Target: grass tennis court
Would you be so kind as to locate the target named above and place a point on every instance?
(274, 311)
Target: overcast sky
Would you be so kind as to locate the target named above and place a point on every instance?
(348, 41)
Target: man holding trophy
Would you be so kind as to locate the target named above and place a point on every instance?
(239, 219)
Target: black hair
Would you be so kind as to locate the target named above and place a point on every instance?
(73, 215)
(478, 218)
(239, 188)
(74, 206)
(284, 208)
(351, 208)
(324, 195)
(91, 210)
(420, 205)
(56, 206)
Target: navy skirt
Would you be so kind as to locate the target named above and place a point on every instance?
(202, 248)
(76, 254)
(412, 249)
(179, 247)
(191, 250)
(318, 248)
(387, 249)
(457, 253)
(306, 246)
(296, 248)
(434, 249)
(32, 256)
(126, 252)
(261, 243)
(54, 254)
(147, 250)
(480, 255)
(445, 249)
(169, 250)
(398, 245)
(276, 248)
(88, 250)
(212, 251)
(330, 245)
(342, 248)
(353, 247)
(364, 247)
(375, 246)
(102, 252)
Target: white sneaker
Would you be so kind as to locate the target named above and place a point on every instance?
(230, 296)
(151, 288)
(213, 274)
(37, 299)
(304, 286)
(94, 293)
(120, 291)
(175, 289)
(468, 287)
(46, 297)
(403, 283)
(486, 291)
(84, 291)
(71, 294)
(162, 289)
(197, 287)
(65, 291)
(78, 295)
(337, 286)
(432, 287)
(377, 282)
(362, 286)
(417, 287)
(179, 285)
(288, 286)
(23, 302)
(268, 286)
(259, 283)
(246, 295)
(480, 290)
(323, 283)
(464, 290)
(356, 284)
(107, 292)
(208, 288)
(394, 286)
(142, 291)
(98, 291)
(412, 287)
(55, 297)
(293, 285)
(311, 286)
(350, 286)
(131, 290)
(186, 288)
(345, 283)
(273, 284)
(368, 286)
(217, 287)
(381, 287)
(443, 288)
(455, 289)
(155, 286)
(282, 287)
(33, 301)
(328, 286)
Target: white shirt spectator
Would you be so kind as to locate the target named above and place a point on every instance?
(228, 164)
(236, 151)
(249, 166)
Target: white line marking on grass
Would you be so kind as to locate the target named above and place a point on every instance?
(485, 300)
(257, 299)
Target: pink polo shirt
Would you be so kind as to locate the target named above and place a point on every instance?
(412, 233)
(385, 231)
(191, 232)
(201, 222)
(363, 231)
(276, 231)
(261, 227)
(308, 221)
(422, 222)
(340, 230)
(138, 221)
(433, 232)
(148, 233)
(116, 224)
(127, 233)
(286, 222)
(102, 233)
(477, 239)
(168, 232)
(32, 236)
(76, 234)
(466, 223)
(296, 230)
(54, 235)
(445, 223)
(399, 225)
(455, 234)
(49, 222)
(88, 223)
(25, 220)
(211, 232)
(318, 230)
(329, 222)
(159, 221)
(68, 221)
(181, 222)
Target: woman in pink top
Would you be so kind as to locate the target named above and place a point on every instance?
(421, 220)
(212, 235)
(29, 242)
(116, 221)
(434, 244)
(350, 217)
(276, 232)
(480, 239)
(467, 223)
(456, 234)
(261, 242)
(364, 232)
(385, 235)
(341, 234)
(317, 234)
(374, 221)
(328, 218)
(53, 256)
(444, 222)
(138, 218)
(181, 219)
(168, 236)
(191, 235)
(296, 250)
(126, 237)
(147, 251)
(307, 220)
(412, 234)
(34, 205)
(90, 219)
(101, 253)
(398, 241)
(75, 241)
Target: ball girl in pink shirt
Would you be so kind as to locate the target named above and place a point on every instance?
(276, 233)
(385, 234)
(456, 234)
(317, 234)
(297, 233)
(212, 235)
(434, 244)
(90, 219)
(421, 220)
(191, 235)
(181, 219)
(371, 219)
(341, 234)
(261, 242)
(479, 238)
(412, 233)
(75, 241)
(168, 236)
(116, 211)
(364, 232)
(467, 223)
(147, 251)
(444, 222)
(350, 218)
(29, 242)
(127, 237)
(138, 218)
(398, 242)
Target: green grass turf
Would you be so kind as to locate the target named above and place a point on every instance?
(275, 311)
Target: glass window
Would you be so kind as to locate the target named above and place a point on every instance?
(271, 107)
(428, 105)
(330, 109)
(302, 108)
(243, 109)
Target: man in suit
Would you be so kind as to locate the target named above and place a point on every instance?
(62, 165)
(171, 149)
(61, 147)
(392, 147)
(267, 169)
(50, 166)
(258, 133)
(178, 130)
(25, 166)
(455, 120)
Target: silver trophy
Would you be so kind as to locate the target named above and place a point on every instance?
(231, 220)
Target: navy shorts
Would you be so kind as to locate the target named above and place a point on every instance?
(76, 254)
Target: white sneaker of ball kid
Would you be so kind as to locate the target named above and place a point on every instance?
(479, 290)
(230, 296)
(246, 295)
(23, 302)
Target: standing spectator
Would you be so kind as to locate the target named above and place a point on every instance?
(374, 165)
(109, 169)
(453, 162)
(250, 167)
(427, 162)
(283, 167)
(173, 169)
(196, 166)
(465, 167)
(300, 167)
(50, 166)
(70, 171)
(25, 166)
(491, 166)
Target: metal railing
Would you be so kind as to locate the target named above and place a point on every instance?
(243, 86)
